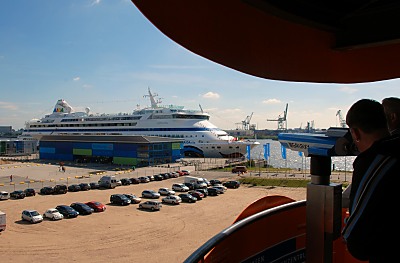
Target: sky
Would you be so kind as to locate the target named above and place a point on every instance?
(104, 54)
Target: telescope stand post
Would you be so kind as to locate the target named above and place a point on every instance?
(323, 211)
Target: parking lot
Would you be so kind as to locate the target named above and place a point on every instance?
(121, 233)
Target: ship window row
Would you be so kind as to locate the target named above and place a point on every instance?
(82, 125)
(120, 118)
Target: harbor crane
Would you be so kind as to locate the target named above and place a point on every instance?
(342, 121)
(282, 121)
(246, 122)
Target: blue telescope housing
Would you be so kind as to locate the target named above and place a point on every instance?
(335, 142)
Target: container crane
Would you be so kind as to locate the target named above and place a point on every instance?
(342, 121)
(246, 122)
(282, 121)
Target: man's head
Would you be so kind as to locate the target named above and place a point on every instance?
(367, 122)
(391, 106)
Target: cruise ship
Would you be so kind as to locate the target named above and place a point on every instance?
(201, 138)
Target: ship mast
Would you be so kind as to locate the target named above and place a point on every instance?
(154, 103)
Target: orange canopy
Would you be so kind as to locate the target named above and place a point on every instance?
(294, 40)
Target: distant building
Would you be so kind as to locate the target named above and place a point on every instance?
(4, 130)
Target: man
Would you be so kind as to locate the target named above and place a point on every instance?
(391, 106)
(372, 225)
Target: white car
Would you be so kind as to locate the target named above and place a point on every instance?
(151, 205)
(32, 216)
(172, 199)
(4, 195)
(165, 191)
(53, 214)
(180, 188)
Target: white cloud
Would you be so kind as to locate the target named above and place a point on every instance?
(76, 79)
(271, 101)
(211, 95)
(348, 90)
(8, 106)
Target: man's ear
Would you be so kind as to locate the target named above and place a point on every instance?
(355, 133)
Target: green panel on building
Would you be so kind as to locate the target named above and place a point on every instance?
(87, 152)
(125, 160)
(176, 146)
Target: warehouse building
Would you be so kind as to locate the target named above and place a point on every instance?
(139, 151)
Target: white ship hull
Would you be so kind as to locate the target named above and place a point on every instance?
(201, 137)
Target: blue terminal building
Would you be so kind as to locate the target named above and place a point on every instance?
(139, 151)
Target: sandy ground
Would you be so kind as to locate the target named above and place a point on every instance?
(121, 233)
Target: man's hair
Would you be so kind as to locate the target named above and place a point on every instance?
(391, 105)
(367, 115)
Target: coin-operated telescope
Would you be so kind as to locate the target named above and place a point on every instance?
(324, 199)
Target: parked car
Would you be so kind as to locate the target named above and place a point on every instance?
(212, 191)
(53, 214)
(180, 188)
(220, 189)
(188, 198)
(185, 172)
(97, 206)
(158, 177)
(151, 205)
(67, 211)
(196, 194)
(151, 177)
(135, 180)
(119, 199)
(144, 179)
(173, 175)
(47, 190)
(165, 175)
(94, 185)
(180, 173)
(119, 183)
(190, 185)
(215, 181)
(207, 182)
(134, 199)
(60, 189)
(17, 194)
(82, 208)
(74, 188)
(204, 191)
(84, 186)
(4, 195)
(32, 216)
(126, 181)
(150, 194)
(166, 191)
(232, 184)
(30, 192)
(172, 199)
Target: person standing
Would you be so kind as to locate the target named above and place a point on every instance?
(371, 226)
(11, 178)
(391, 105)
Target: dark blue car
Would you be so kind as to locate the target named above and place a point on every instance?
(67, 211)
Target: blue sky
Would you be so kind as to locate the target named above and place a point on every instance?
(104, 55)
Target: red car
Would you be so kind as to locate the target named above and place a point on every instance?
(97, 206)
(180, 173)
(198, 195)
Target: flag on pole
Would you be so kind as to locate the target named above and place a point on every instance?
(266, 151)
(248, 151)
(301, 154)
(283, 152)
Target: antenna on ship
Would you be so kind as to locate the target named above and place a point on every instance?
(152, 100)
(201, 108)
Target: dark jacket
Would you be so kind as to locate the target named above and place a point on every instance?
(372, 229)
